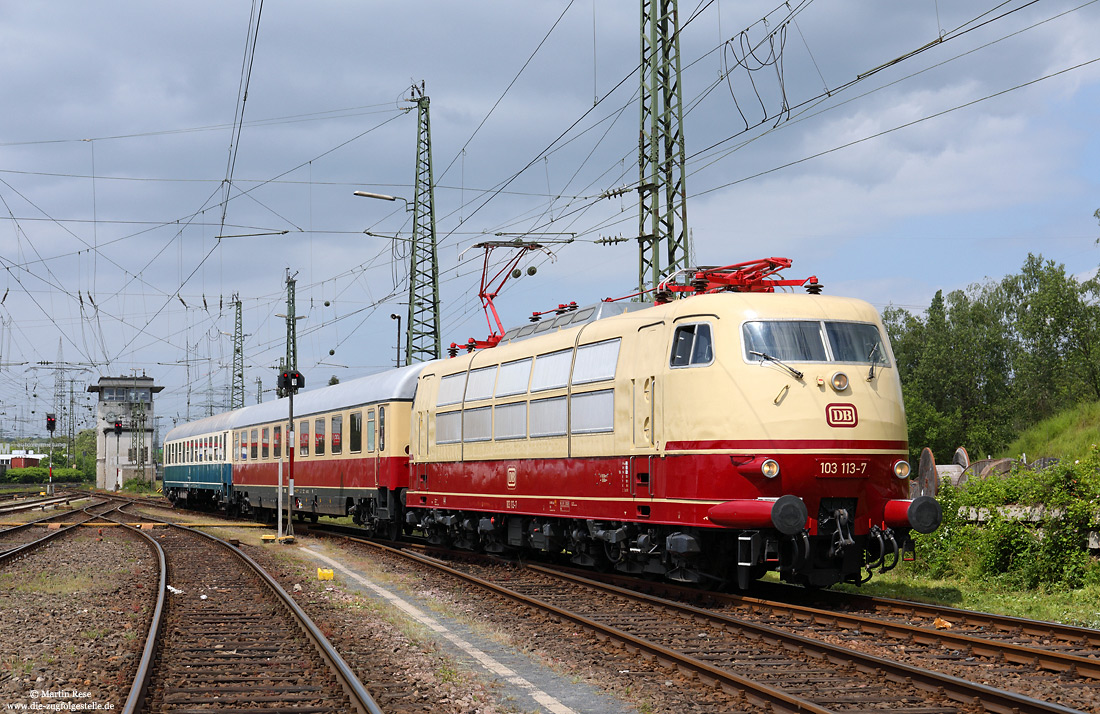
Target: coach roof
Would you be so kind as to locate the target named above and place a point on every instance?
(391, 385)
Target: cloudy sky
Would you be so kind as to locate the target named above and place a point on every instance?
(121, 140)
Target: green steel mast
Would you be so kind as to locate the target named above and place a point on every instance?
(422, 340)
(236, 394)
(662, 225)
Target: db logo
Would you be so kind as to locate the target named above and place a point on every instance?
(841, 415)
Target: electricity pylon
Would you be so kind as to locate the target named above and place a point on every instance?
(662, 224)
(422, 340)
(236, 394)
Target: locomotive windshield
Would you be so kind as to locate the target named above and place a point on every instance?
(814, 341)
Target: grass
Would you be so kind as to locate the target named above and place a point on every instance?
(1068, 435)
(1073, 607)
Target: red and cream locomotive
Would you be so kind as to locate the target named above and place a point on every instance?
(706, 439)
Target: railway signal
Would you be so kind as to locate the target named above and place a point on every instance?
(51, 422)
(291, 381)
(118, 427)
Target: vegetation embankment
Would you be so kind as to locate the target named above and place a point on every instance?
(1016, 544)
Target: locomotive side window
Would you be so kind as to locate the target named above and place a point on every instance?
(451, 389)
(551, 370)
(370, 430)
(510, 421)
(319, 437)
(794, 340)
(337, 433)
(692, 346)
(355, 432)
(596, 362)
(254, 443)
(548, 417)
(480, 383)
(448, 428)
(513, 377)
(303, 438)
(593, 412)
(477, 424)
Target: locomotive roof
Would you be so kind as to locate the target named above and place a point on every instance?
(391, 385)
(580, 316)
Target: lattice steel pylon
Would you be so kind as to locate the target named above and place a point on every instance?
(236, 392)
(291, 361)
(662, 224)
(422, 338)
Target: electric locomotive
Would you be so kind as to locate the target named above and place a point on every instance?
(708, 439)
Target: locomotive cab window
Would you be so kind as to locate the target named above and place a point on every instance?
(814, 341)
(692, 346)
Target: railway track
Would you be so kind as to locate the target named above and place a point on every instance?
(960, 642)
(9, 508)
(21, 540)
(227, 637)
(773, 667)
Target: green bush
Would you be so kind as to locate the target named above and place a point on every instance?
(1018, 552)
(41, 474)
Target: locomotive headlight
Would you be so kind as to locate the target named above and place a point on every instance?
(840, 381)
(770, 468)
(901, 469)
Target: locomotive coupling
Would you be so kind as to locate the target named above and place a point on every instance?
(787, 514)
(923, 514)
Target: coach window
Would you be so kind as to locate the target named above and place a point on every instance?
(254, 443)
(277, 441)
(337, 434)
(381, 429)
(370, 430)
(319, 437)
(692, 346)
(237, 445)
(265, 445)
(303, 438)
(355, 432)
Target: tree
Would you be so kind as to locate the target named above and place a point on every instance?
(333, 380)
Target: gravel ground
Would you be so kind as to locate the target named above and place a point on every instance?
(396, 661)
(565, 648)
(75, 618)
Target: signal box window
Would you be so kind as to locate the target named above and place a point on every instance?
(370, 430)
(303, 438)
(265, 444)
(355, 432)
(692, 346)
(255, 444)
(277, 442)
(337, 434)
(319, 437)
